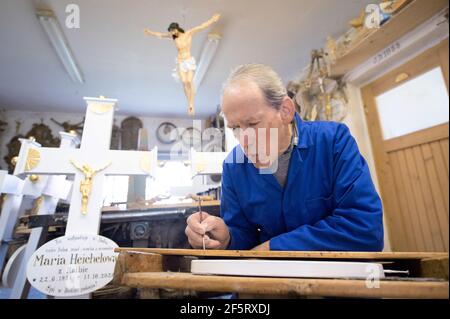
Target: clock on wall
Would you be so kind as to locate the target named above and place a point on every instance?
(167, 133)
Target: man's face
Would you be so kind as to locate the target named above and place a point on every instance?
(255, 123)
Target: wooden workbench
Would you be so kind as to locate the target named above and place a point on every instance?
(156, 269)
(156, 206)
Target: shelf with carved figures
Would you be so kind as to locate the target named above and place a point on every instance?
(372, 41)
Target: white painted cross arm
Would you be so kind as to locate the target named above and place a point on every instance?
(206, 163)
(10, 184)
(55, 161)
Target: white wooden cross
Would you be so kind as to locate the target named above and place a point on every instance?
(202, 164)
(94, 151)
(206, 163)
(45, 190)
(12, 187)
(56, 188)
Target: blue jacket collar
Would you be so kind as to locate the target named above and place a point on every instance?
(304, 137)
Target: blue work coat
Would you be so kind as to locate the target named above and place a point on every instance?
(329, 201)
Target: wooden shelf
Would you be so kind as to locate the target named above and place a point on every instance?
(139, 207)
(258, 286)
(285, 254)
(412, 15)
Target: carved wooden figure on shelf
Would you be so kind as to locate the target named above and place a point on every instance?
(43, 135)
(69, 127)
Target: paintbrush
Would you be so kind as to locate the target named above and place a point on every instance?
(199, 200)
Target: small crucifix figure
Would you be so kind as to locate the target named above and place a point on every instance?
(86, 184)
(186, 65)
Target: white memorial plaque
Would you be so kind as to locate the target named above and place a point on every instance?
(72, 265)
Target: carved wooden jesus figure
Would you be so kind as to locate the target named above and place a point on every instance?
(185, 63)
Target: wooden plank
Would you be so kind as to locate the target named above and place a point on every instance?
(413, 213)
(108, 209)
(440, 167)
(383, 168)
(411, 16)
(403, 229)
(287, 286)
(129, 263)
(419, 200)
(427, 135)
(435, 190)
(424, 62)
(284, 254)
(434, 268)
(430, 209)
(444, 147)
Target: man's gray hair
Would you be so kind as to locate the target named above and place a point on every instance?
(264, 77)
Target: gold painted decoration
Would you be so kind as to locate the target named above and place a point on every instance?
(86, 184)
(33, 159)
(100, 108)
(14, 160)
(37, 205)
(200, 165)
(34, 178)
(145, 163)
(401, 77)
(392, 6)
(359, 21)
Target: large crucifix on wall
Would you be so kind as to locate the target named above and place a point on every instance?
(185, 62)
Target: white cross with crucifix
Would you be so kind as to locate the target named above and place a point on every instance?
(12, 188)
(54, 188)
(46, 190)
(90, 164)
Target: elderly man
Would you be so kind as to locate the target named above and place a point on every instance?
(311, 191)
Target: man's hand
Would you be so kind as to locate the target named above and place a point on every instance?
(217, 235)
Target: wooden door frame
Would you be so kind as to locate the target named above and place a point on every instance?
(433, 57)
